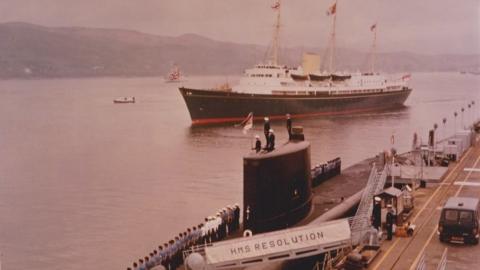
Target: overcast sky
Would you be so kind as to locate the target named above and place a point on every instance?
(424, 26)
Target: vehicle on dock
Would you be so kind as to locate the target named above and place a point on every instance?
(459, 220)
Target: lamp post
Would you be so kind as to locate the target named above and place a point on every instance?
(435, 126)
(462, 125)
(455, 114)
(444, 121)
(444, 135)
(392, 170)
(472, 103)
(469, 113)
(424, 155)
(474, 112)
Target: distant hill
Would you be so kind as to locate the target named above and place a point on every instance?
(32, 51)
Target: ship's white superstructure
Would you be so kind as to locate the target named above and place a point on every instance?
(310, 90)
(274, 78)
(268, 79)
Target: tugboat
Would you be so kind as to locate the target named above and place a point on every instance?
(274, 90)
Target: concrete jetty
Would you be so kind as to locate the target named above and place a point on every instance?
(462, 179)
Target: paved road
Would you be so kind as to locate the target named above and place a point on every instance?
(404, 253)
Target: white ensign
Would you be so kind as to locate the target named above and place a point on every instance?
(269, 244)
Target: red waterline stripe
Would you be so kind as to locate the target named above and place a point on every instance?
(274, 117)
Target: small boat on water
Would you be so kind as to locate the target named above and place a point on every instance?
(121, 100)
(175, 75)
(471, 72)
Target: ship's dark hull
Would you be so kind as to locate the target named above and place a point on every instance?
(212, 106)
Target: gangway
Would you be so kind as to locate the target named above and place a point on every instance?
(361, 221)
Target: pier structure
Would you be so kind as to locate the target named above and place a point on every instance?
(424, 249)
(331, 201)
(460, 179)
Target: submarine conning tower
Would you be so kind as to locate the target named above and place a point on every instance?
(277, 186)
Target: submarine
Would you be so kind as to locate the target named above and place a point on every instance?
(277, 185)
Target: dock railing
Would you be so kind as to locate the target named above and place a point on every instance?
(422, 264)
(442, 265)
(200, 249)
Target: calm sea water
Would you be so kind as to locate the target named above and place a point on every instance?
(87, 184)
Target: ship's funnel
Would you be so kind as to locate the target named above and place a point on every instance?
(310, 63)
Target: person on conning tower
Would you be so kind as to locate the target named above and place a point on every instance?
(258, 144)
(289, 126)
(266, 128)
(271, 140)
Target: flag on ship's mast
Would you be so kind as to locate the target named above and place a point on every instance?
(415, 141)
(276, 5)
(331, 10)
(406, 77)
(247, 123)
(373, 27)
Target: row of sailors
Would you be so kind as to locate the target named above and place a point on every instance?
(223, 224)
(170, 255)
(328, 166)
(326, 170)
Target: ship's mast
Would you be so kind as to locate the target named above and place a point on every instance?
(332, 11)
(276, 33)
(374, 47)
